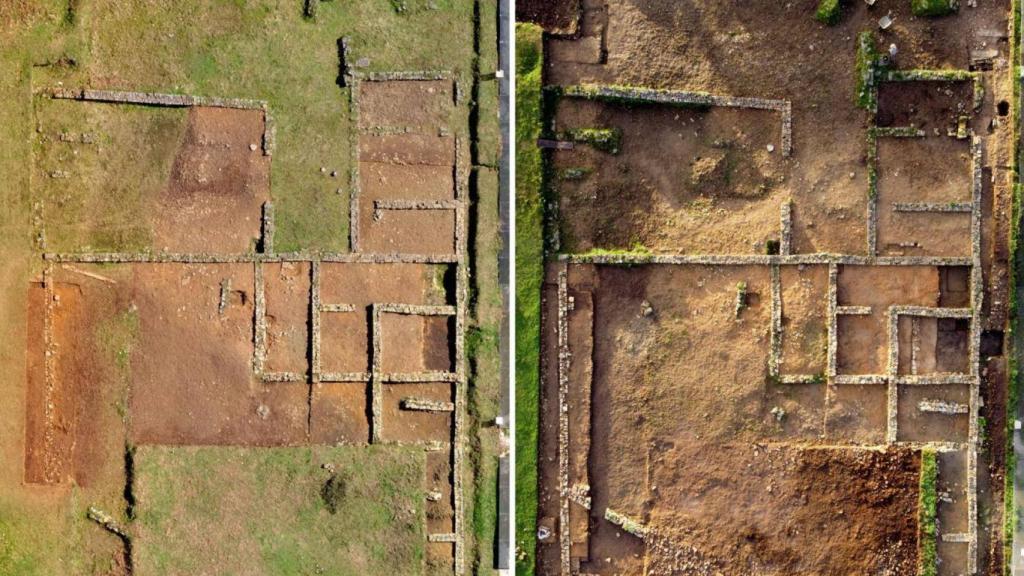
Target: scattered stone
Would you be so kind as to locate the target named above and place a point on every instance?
(263, 411)
(779, 413)
(646, 309)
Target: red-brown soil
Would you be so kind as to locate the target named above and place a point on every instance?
(192, 376)
(406, 167)
(422, 105)
(405, 182)
(863, 340)
(409, 232)
(786, 510)
(217, 183)
(917, 426)
(767, 50)
(405, 335)
(414, 426)
(931, 169)
(340, 413)
(677, 375)
(345, 341)
(927, 105)
(74, 432)
(804, 319)
(430, 150)
(660, 403)
(345, 336)
(286, 286)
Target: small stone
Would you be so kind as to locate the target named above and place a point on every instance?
(323, 170)
(252, 147)
(334, 173)
(779, 413)
(646, 309)
(263, 411)
(771, 147)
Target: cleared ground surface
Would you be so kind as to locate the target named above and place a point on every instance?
(774, 299)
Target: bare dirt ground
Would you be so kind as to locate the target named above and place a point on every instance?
(554, 17)
(192, 368)
(396, 159)
(287, 286)
(645, 195)
(219, 181)
(387, 104)
(647, 457)
(71, 420)
(405, 425)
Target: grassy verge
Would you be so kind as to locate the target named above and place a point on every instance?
(483, 352)
(346, 510)
(927, 503)
(1016, 266)
(529, 275)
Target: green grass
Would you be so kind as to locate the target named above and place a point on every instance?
(1015, 346)
(927, 503)
(636, 250)
(603, 139)
(485, 380)
(867, 60)
(265, 49)
(529, 275)
(829, 12)
(262, 510)
(932, 7)
(110, 186)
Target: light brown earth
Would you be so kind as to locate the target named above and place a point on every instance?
(218, 184)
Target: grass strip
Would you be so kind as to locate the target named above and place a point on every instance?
(529, 275)
(927, 504)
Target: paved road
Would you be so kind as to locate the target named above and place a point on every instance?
(503, 559)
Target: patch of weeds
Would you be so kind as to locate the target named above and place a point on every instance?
(933, 7)
(416, 6)
(927, 503)
(637, 249)
(334, 492)
(872, 162)
(575, 173)
(741, 298)
(603, 139)
(866, 66)
(829, 12)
